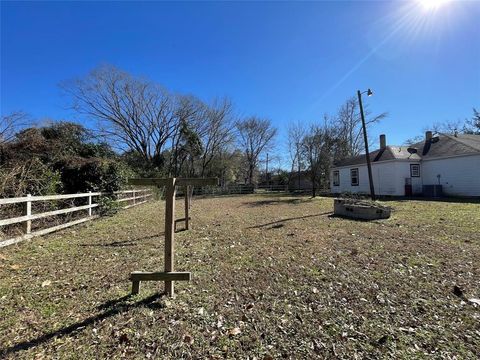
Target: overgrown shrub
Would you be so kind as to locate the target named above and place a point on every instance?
(107, 205)
(96, 175)
(31, 177)
(92, 174)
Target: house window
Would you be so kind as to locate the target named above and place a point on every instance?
(336, 178)
(354, 176)
(414, 170)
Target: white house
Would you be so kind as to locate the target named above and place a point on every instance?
(448, 164)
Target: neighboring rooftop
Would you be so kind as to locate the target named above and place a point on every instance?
(440, 145)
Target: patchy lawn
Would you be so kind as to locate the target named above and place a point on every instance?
(273, 277)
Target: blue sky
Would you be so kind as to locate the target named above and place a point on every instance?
(285, 61)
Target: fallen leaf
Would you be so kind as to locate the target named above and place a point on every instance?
(234, 331)
(15, 267)
(315, 290)
(46, 283)
(474, 301)
(188, 339)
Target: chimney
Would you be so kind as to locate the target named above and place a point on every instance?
(383, 141)
(428, 136)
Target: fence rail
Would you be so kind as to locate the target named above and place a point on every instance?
(135, 197)
(239, 189)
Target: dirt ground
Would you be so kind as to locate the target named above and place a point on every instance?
(273, 277)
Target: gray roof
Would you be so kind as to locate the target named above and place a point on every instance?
(439, 146)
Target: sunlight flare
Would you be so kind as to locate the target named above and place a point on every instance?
(429, 5)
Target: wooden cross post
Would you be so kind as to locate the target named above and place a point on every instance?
(169, 275)
(169, 231)
(187, 207)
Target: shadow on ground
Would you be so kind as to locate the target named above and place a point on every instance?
(114, 307)
(294, 201)
(279, 223)
(128, 242)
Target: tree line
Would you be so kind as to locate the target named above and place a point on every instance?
(140, 128)
(316, 147)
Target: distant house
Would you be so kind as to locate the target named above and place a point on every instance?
(448, 164)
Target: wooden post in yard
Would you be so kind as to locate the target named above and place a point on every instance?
(169, 232)
(28, 212)
(190, 196)
(169, 275)
(187, 207)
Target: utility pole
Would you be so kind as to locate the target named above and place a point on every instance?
(367, 154)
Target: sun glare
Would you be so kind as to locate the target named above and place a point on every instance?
(432, 4)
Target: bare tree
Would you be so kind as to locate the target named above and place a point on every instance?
(255, 136)
(185, 143)
(135, 113)
(349, 126)
(446, 127)
(296, 134)
(472, 126)
(317, 151)
(216, 131)
(10, 124)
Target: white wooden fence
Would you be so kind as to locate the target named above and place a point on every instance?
(239, 189)
(133, 198)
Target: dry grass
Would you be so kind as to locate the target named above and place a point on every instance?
(273, 277)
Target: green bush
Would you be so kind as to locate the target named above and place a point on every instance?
(92, 174)
(30, 177)
(107, 205)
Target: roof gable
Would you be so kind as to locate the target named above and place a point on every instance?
(439, 146)
(448, 145)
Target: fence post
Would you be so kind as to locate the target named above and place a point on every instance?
(90, 203)
(28, 212)
(187, 207)
(169, 232)
(134, 198)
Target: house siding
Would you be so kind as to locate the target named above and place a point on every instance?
(459, 176)
(388, 178)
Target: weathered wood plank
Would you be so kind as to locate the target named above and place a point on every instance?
(135, 287)
(160, 276)
(169, 233)
(187, 207)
